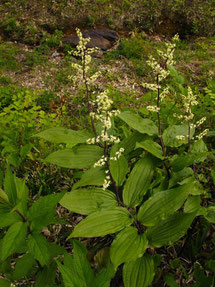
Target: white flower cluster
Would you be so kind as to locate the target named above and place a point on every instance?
(102, 104)
(182, 138)
(188, 102)
(161, 70)
(117, 154)
(202, 134)
(85, 54)
(153, 109)
(106, 183)
(157, 69)
(101, 161)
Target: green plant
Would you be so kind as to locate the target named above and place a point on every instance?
(138, 182)
(25, 252)
(18, 121)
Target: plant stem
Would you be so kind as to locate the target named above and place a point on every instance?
(159, 127)
(87, 96)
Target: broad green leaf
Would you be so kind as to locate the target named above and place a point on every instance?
(14, 236)
(46, 277)
(118, 169)
(7, 219)
(38, 247)
(139, 273)
(199, 146)
(3, 197)
(22, 194)
(87, 201)
(210, 215)
(138, 181)
(127, 246)
(104, 276)
(186, 159)
(70, 278)
(170, 134)
(177, 177)
(22, 267)
(10, 187)
(169, 230)
(192, 204)
(129, 142)
(152, 147)
(93, 176)
(83, 156)
(42, 211)
(159, 206)
(4, 283)
(81, 265)
(103, 222)
(136, 122)
(63, 135)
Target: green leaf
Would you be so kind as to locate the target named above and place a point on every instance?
(3, 197)
(87, 201)
(139, 273)
(210, 216)
(192, 204)
(152, 147)
(169, 230)
(159, 206)
(169, 280)
(177, 177)
(70, 278)
(8, 218)
(80, 263)
(136, 122)
(103, 222)
(42, 211)
(169, 135)
(38, 246)
(14, 236)
(46, 277)
(93, 176)
(22, 267)
(83, 156)
(186, 159)
(198, 147)
(63, 135)
(138, 181)
(22, 194)
(25, 150)
(174, 73)
(118, 169)
(129, 142)
(4, 283)
(10, 187)
(104, 276)
(127, 246)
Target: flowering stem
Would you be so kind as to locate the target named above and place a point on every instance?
(87, 96)
(159, 126)
(189, 136)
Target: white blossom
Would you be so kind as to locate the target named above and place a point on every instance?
(201, 135)
(153, 109)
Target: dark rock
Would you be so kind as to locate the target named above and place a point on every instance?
(103, 39)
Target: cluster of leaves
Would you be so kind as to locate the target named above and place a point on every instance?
(155, 194)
